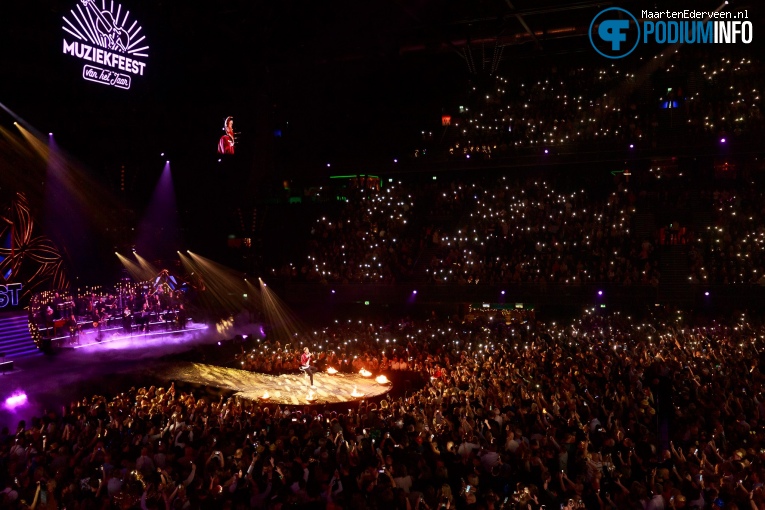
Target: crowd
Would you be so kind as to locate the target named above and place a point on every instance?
(548, 106)
(533, 234)
(363, 243)
(485, 231)
(603, 412)
(731, 248)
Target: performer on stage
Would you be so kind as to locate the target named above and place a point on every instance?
(226, 142)
(127, 321)
(305, 362)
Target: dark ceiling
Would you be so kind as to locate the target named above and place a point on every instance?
(343, 81)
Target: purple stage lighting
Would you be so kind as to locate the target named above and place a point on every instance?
(50, 134)
(722, 140)
(414, 292)
(503, 292)
(600, 293)
(16, 400)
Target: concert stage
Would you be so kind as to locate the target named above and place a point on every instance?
(289, 389)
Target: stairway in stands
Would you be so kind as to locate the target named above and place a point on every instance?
(15, 341)
(675, 270)
(644, 225)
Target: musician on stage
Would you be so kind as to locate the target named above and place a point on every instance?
(305, 362)
(127, 320)
(226, 142)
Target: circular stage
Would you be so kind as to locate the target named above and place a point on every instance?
(284, 389)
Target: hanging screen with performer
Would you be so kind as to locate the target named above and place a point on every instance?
(228, 140)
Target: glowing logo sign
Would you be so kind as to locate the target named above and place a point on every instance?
(103, 35)
(9, 294)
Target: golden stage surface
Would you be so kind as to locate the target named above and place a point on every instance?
(289, 389)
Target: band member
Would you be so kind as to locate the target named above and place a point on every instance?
(145, 316)
(182, 316)
(226, 142)
(127, 320)
(58, 306)
(74, 330)
(305, 362)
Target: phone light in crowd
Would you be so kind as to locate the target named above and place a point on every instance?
(16, 400)
(502, 292)
(632, 146)
(547, 151)
(468, 156)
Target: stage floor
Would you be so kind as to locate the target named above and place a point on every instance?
(289, 389)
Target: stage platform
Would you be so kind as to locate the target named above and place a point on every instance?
(284, 389)
(88, 337)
